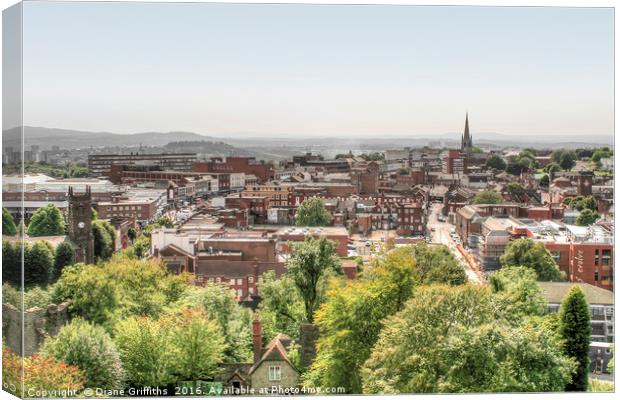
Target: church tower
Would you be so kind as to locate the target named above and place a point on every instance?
(466, 139)
(79, 219)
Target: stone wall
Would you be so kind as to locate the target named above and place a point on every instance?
(38, 323)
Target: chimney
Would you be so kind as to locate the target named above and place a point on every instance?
(257, 338)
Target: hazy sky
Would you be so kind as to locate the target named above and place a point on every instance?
(226, 69)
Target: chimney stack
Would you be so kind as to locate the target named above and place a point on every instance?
(257, 338)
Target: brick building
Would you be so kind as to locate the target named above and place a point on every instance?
(101, 164)
(248, 165)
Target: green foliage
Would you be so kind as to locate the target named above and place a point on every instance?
(544, 181)
(180, 346)
(566, 159)
(310, 262)
(599, 385)
(581, 203)
(165, 222)
(33, 297)
(374, 156)
(553, 167)
(488, 197)
(516, 290)
(119, 288)
(234, 320)
(587, 217)
(46, 221)
(575, 329)
(403, 171)
(312, 212)
(103, 233)
(515, 189)
(65, 256)
(526, 252)
(65, 170)
(38, 263)
(132, 234)
(88, 347)
(434, 264)
(450, 340)
(517, 168)
(600, 153)
(12, 262)
(496, 162)
(8, 225)
(281, 307)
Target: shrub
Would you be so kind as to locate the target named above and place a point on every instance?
(88, 347)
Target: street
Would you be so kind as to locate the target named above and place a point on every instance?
(440, 234)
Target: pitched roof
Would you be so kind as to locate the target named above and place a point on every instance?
(275, 351)
(554, 292)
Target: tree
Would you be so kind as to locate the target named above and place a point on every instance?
(515, 168)
(218, 301)
(312, 212)
(526, 252)
(46, 221)
(565, 159)
(518, 293)
(282, 307)
(198, 345)
(352, 317)
(516, 190)
(552, 167)
(38, 263)
(450, 340)
(65, 256)
(488, 197)
(144, 347)
(434, 264)
(90, 348)
(12, 263)
(40, 375)
(132, 234)
(8, 224)
(544, 181)
(600, 153)
(103, 233)
(310, 262)
(575, 329)
(587, 217)
(496, 162)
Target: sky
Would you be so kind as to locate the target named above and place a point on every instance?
(347, 71)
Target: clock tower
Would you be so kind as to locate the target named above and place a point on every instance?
(79, 219)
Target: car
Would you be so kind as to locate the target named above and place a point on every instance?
(433, 229)
(368, 243)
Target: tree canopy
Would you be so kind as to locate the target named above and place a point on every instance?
(575, 330)
(526, 252)
(310, 262)
(496, 162)
(46, 221)
(487, 197)
(312, 212)
(587, 217)
(8, 224)
(452, 340)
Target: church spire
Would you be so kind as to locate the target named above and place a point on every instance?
(466, 142)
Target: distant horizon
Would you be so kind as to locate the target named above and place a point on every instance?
(265, 70)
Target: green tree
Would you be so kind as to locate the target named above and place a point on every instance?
(46, 221)
(65, 256)
(310, 262)
(198, 345)
(435, 264)
(600, 153)
(103, 233)
(144, 347)
(517, 168)
(282, 307)
(312, 212)
(90, 348)
(352, 317)
(8, 224)
(450, 340)
(544, 181)
(517, 292)
(235, 321)
(496, 162)
(526, 252)
(488, 197)
(567, 159)
(552, 167)
(587, 217)
(515, 189)
(38, 263)
(12, 262)
(575, 329)
(132, 234)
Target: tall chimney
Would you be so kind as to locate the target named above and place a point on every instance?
(257, 338)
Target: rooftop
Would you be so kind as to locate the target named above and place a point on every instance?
(554, 292)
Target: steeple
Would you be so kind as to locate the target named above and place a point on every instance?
(466, 141)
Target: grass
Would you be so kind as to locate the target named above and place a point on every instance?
(597, 385)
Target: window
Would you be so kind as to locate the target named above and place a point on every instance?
(556, 256)
(596, 275)
(251, 279)
(239, 281)
(606, 259)
(275, 373)
(218, 279)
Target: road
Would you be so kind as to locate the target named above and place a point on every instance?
(440, 233)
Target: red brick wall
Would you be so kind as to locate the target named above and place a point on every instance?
(583, 265)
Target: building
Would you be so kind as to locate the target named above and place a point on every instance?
(247, 165)
(454, 162)
(278, 195)
(601, 303)
(139, 209)
(79, 223)
(288, 235)
(100, 164)
(466, 140)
